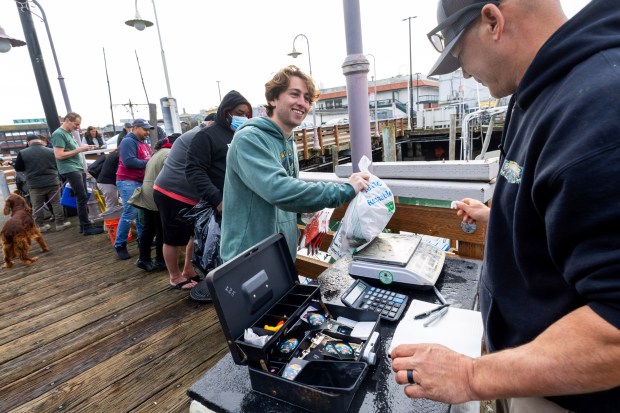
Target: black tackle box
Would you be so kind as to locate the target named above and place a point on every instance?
(309, 358)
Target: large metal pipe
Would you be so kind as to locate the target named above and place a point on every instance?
(355, 69)
(40, 74)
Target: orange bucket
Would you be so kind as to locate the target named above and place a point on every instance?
(111, 225)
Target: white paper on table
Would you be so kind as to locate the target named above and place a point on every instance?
(460, 330)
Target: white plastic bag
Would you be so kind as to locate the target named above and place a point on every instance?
(366, 217)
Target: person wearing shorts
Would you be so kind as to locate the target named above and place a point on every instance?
(172, 194)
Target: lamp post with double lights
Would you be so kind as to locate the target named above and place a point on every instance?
(294, 54)
(410, 114)
(374, 69)
(140, 24)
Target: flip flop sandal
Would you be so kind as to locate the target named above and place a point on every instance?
(180, 285)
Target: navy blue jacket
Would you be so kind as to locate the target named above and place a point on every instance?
(553, 240)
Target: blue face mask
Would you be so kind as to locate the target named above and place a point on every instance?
(237, 121)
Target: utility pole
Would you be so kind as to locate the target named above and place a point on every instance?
(410, 76)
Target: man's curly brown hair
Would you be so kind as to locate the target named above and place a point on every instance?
(280, 82)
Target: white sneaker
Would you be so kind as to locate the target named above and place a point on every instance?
(63, 226)
(45, 228)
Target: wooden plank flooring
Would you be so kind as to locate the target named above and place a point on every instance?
(83, 331)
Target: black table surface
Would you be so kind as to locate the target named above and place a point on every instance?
(226, 386)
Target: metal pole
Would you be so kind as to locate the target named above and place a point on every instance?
(176, 125)
(410, 114)
(38, 66)
(315, 143)
(374, 69)
(315, 136)
(61, 79)
(355, 69)
(218, 90)
(105, 63)
(417, 93)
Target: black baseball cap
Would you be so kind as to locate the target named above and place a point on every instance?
(453, 16)
(33, 138)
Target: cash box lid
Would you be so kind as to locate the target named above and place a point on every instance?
(244, 288)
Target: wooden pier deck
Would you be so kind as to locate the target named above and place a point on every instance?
(83, 331)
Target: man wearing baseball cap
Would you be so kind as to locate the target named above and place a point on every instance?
(550, 284)
(134, 153)
(126, 129)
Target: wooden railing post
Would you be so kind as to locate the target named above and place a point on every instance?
(337, 137)
(305, 144)
(334, 151)
(320, 131)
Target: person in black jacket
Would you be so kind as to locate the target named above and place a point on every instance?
(206, 157)
(39, 164)
(549, 290)
(106, 181)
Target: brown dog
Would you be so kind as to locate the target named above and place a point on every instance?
(19, 231)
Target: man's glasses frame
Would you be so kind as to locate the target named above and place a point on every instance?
(435, 36)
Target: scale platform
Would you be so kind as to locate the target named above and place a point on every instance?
(399, 259)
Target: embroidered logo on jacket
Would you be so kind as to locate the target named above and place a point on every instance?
(512, 171)
(287, 159)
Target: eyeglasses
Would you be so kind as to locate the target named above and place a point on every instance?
(457, 22)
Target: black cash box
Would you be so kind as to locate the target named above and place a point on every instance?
(311, 360)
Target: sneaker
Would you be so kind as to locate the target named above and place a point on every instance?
(92, 230)
(45, 228)
(63, 226)
(159, 265)
(122, 252)
(145, 265)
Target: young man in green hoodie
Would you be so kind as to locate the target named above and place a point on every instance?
(262, 192)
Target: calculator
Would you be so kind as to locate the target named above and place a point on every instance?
(388, 304)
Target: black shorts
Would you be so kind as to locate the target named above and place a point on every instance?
(176, 231)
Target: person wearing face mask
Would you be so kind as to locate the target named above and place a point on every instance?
(206, 156)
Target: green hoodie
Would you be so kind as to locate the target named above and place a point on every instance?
(262, 194)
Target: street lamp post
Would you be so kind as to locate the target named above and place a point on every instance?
(374, 78)
(38, 66)
(410, 76)
(61, 79)
(140, 24)
(294, 54)
(218, 90)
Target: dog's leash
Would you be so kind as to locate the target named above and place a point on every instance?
(49, 200)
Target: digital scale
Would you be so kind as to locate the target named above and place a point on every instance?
(399, 259)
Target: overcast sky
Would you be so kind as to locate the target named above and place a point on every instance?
(240, 43)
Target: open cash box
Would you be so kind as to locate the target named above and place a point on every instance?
(312, 355)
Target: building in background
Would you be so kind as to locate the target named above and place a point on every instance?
(392, 98)
(13, 137)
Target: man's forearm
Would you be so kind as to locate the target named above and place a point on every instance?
(574, 355)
